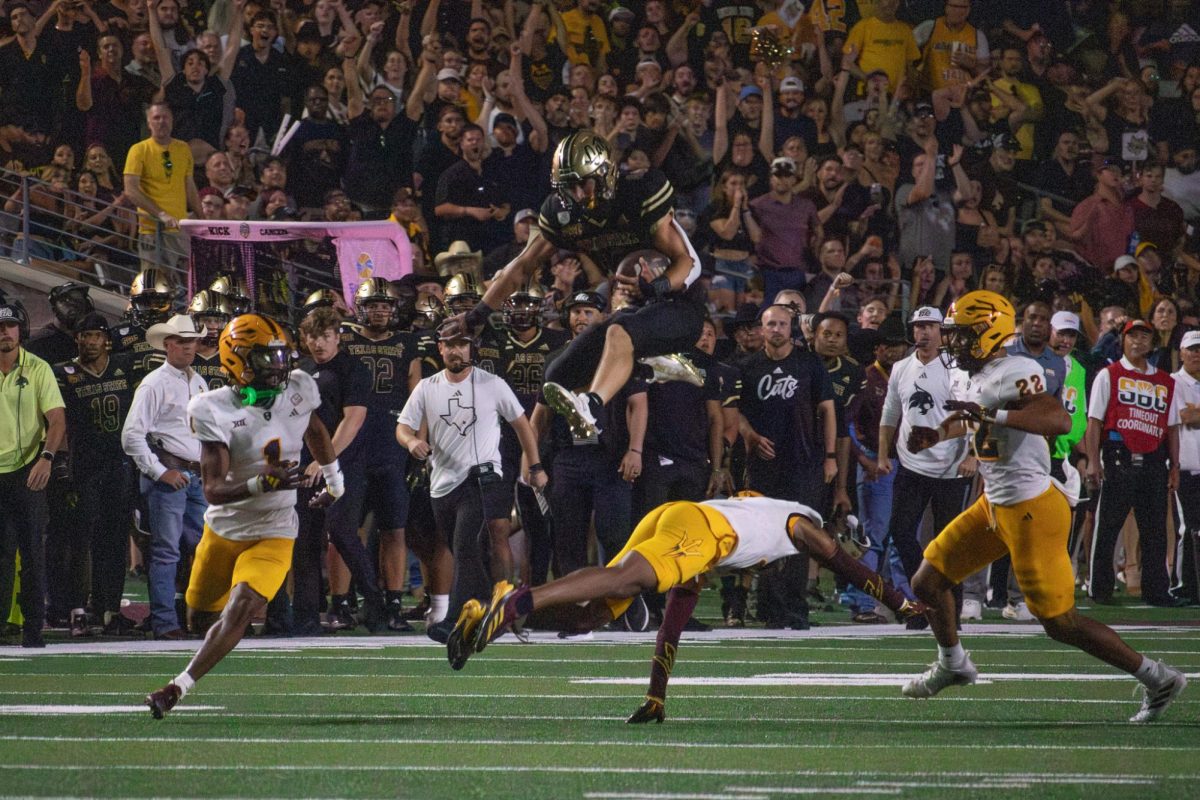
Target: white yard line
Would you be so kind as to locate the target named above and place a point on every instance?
(456, 742)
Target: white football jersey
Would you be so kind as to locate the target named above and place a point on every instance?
(761, 527)
(255, 437)
(1015, 465)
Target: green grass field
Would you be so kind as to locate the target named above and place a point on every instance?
(751, 715)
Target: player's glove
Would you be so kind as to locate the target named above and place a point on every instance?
(276, 478)
(335, 483)
(651, 710)
(971, 411)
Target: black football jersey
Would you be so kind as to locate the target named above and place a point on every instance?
(625, 223)
(130, 338)
(524, 363)
(387, 360)
(488, 350)
(96, 405)
(210, 369)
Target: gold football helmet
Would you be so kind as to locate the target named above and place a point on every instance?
(209, 305)
(523, 308)
(580, 156)
(150, 296)
(258, 355)
(429, 312)
(235, 291)
(976, 327)
(462, 293)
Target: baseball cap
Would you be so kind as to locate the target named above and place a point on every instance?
(503, 119)
(449, 74)
(524, 214)
(1136, 325)
(749, 91)
(926, 314)
(1123, 262)
(621, 12)
(1109, 163)
(783, 166)
(1143, 247)
(923, 109)
(1065, 321)
(791, 84)
(1190, 339)
(593, 299)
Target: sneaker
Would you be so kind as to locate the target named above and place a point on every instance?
(1155, 701)
(461, 639)
(576, 408)
(120, 625)
(636, 618)
(972, 609)
(651, 710)
(938, 677)
(675, 367)
(396, 619)
(341, 618)
(163, 700)
(501, 614)
(80, 626)
(1018, 612)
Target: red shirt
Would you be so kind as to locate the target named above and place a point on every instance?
(1162, 225)
(1139, 406)
(1107, 237)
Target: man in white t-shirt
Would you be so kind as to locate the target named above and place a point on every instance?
(672, 546)
(463, 408)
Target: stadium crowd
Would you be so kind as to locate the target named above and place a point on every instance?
(845, 169)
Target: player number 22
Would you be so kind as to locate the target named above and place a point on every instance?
(1032, 385)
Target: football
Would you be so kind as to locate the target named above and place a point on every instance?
(646, 264)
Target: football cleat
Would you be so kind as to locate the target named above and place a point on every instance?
(163, 700)
(1018, 612)
(911, 609)
(1155, 701)
(971, 610)
(938, 677)
(341, 618)
(80, 626)
(462, 638)
(575, 408)
(651, 710)
(500, 616)
(397, 622)
(674, 367)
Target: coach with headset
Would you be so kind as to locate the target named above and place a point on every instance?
(32, 427)
(462, 407)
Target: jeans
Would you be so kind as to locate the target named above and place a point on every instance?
(875, 510)
(176, 523)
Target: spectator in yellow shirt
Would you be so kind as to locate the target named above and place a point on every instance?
(952, 49)
(586, 37)
(885, 43)
(1011, 63)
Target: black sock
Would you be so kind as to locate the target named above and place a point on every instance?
(523, 603)
(594, 400)
(394, 596)
(339, 600)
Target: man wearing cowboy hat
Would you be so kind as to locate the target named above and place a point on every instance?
(156, 436)
(458, 257)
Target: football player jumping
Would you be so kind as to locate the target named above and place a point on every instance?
(669, 550)
(606, 216)
(250, 433)
(1022, 511)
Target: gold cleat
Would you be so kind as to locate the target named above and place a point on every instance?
(574, 407)
(674, 367)
(459, 645)
(500, 616)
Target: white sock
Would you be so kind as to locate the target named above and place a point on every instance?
(439, 604)
(185, 683)
(952, 657)
(1148, 673)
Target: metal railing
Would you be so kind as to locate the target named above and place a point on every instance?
(57, 237)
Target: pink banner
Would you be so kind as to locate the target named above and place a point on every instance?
(365, 249)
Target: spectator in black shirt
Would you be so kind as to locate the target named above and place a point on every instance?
(261, 77)
(380, 144)
(26, 69)
(317, 152)
(438, 155)
(471, 206)
(1064, 176)
(196, 92)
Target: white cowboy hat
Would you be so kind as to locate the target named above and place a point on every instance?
(457, 250)
(180, 325)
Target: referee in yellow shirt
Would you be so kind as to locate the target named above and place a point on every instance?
(32, 426)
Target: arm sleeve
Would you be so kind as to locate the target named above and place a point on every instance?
(144, 407)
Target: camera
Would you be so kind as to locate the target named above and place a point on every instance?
(485, 474)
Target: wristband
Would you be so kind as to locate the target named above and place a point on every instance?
(46, 454)
(1000, 417)
(478, 316)
(254, 486)
(536, 467)
(334, 481)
